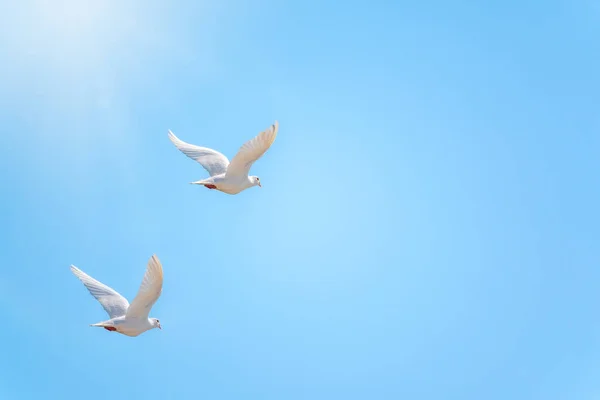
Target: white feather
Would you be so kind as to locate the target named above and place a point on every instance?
(212, 161)
(149, 291)
(130, 320)
(114, 304)
(251, 151)
(229, 177)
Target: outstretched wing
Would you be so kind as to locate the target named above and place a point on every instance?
(114, 304)
(251, 151)
(149, 292)
(212, 161)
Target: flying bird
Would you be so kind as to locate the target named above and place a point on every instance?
(229, 177)
(128, 319)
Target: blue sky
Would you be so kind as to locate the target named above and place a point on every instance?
(427, 227)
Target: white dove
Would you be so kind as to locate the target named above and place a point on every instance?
(230, 178)
(130, 320)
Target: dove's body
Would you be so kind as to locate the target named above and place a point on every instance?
(229, 177)
(129, 327)
(128, 319)
(226, 184)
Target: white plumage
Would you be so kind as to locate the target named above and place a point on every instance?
(229, 177)
(128, 319)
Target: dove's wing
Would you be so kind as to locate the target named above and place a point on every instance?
(251, 151)
(212, 161)
(149, 292)
(114, 304)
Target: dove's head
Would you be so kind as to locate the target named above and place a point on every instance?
(155, 323)
(255, 181)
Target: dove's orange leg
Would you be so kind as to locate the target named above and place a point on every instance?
(211, 186)
(110, 328)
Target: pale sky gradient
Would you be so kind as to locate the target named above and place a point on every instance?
(428, 224)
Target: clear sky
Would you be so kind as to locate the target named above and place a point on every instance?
(428, 225)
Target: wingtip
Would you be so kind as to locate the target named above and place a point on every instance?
(172, 137)
(157, 264)
(76, 271)
(154, 259)
(274, 131)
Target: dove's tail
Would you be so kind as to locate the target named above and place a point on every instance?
(103, 324)
(209, 183)
(106, 325)
(201, 182)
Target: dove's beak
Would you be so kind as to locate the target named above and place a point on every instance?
(259, 185)
(159, 327)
